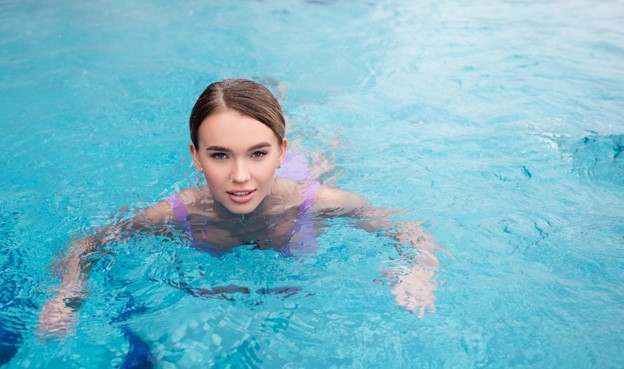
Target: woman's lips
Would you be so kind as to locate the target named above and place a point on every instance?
(241, 196)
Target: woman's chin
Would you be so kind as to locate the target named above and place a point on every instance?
(242, 209)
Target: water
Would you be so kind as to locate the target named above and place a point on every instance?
(497, 123)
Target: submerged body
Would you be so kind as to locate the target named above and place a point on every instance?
(238, 145)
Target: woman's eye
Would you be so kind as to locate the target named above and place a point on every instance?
(258, 154)
(218, 155)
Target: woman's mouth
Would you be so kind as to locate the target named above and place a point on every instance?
(241, 196)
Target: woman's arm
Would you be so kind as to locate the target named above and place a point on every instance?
(58, 314)
(415, 284)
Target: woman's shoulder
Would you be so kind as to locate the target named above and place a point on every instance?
(322, 197)
(193, 195)
(186, 201)
(282, 186)
(294, 190)
(337, 201)
(196, 200)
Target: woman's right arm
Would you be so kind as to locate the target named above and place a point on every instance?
(58, 314)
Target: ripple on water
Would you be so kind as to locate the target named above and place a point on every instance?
(600, 158)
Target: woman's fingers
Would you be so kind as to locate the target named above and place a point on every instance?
(56, 318)
(415, 290)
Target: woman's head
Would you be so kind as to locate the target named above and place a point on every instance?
(247, 97)
(237, 129)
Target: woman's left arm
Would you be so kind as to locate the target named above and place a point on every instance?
(415, 284)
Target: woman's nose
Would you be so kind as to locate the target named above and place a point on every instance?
(240, 173)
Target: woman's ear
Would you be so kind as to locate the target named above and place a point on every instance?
(283, 154)
(195, 156)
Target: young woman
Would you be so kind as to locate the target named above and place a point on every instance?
(238, 143)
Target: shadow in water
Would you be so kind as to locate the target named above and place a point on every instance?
(139, 355)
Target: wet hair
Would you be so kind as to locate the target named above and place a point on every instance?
(247, 97)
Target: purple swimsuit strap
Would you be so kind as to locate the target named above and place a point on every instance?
(179, 210)
(311, 188)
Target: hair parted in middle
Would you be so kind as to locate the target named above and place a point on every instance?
(245, 96)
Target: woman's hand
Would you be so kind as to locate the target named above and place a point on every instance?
(58, 317)
(414, 291)
(415, 287)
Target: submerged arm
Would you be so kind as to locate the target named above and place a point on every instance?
(415, 284)
(74, 269)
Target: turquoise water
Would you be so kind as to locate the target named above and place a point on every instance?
(497, 123)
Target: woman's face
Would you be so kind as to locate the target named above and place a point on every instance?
(238, 156)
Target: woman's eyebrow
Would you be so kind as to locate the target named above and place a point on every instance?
(225, 149)
(218, 148)
(259, 146)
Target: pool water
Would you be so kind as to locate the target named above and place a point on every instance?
(496, 123)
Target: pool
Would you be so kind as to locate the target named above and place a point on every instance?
(496, 123)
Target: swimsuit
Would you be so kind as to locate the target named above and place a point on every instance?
(294, 168)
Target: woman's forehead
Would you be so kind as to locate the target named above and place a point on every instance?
(234, 130)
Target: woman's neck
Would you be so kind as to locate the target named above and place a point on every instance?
(225, 215)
